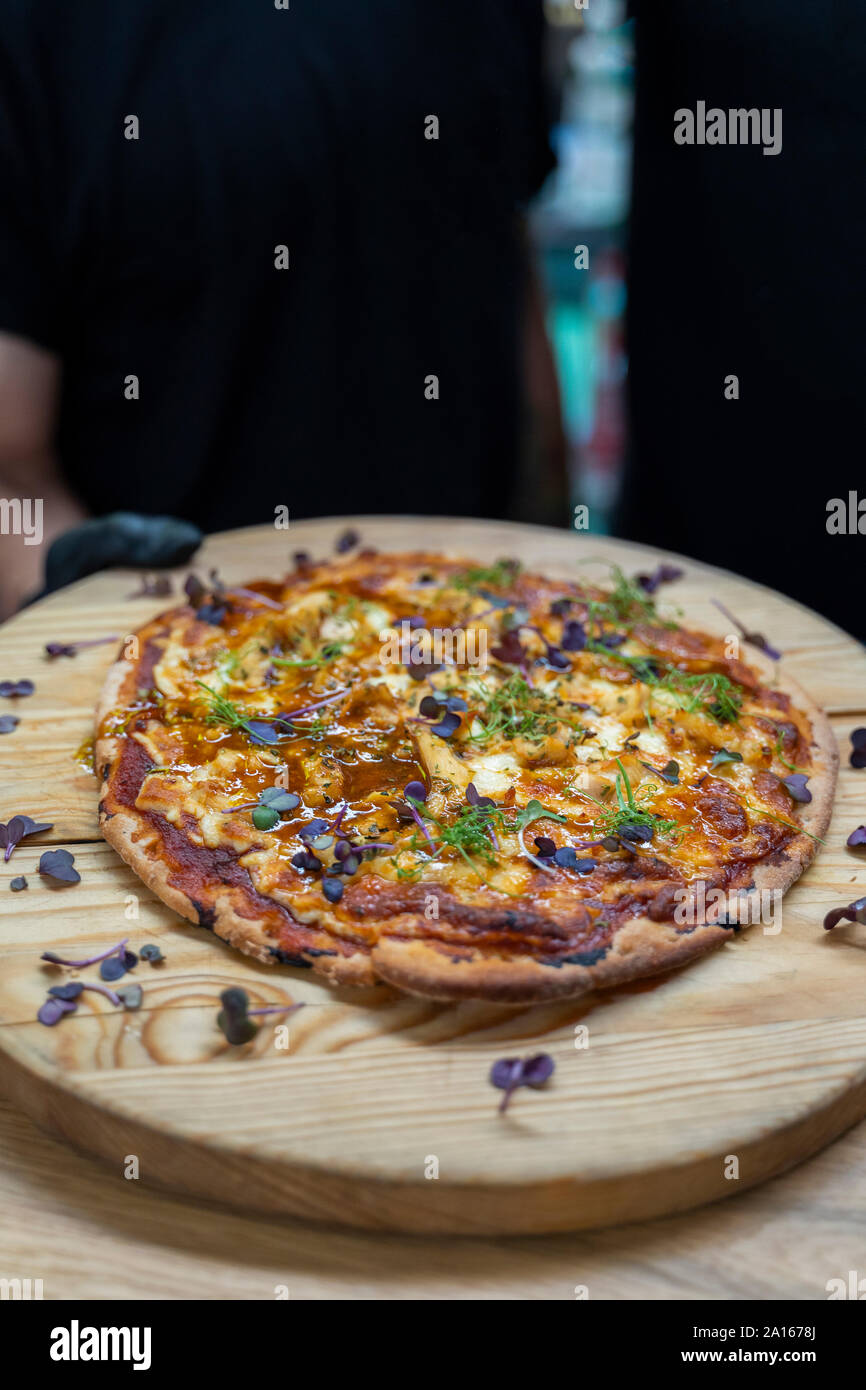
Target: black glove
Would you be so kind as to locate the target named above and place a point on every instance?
(123, 538)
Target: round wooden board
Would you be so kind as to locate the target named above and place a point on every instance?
(378, 1113)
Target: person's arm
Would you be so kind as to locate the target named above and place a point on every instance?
(547, 441)
(29, 397)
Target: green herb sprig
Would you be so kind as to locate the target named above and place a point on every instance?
(329, 653)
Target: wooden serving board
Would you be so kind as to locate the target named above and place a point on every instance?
(378, 1113)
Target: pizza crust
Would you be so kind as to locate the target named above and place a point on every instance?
(430, 967)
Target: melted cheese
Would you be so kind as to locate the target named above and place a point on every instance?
(352, 738)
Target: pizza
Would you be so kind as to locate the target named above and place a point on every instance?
(469, 781)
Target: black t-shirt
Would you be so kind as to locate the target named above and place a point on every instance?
(261, 128)
(751, 265)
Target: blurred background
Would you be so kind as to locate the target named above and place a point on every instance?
(585, 204)
(436, 259)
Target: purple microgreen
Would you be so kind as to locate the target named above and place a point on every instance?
(573, 636)
(255, 597)
(313, 828)
(130, 996)
(16, 690)
(53, 1010)
(858, 748)
(302, 559)
(347, 540)
(418, 669)
(554, 658)
(152, 586)
(508, 650)
(725, 756)
(857, 837)
(114, 967)
(70, 991)
(233, 1019)
(53, 649)
(101, 989)
(305, 859)
(194, 590)
(755, 638)
(474, 799)
(201, 595)
(18, 883)
(263, 730)
(534, 811)
(545, 847)
(18, 828)
(8, 722)
(309, 709)
(323, 842)
(566, 858)
(560, 607)
(57, 864)
(275, 1009)
(279, 799)
(415, 793)
(333, 888)
(796, 787)
(422, 827)
(431, 707)
(151, 953)
(670, 773)
(610, 640)
(854, 912)
(510, 1072)
(636, 832)
(663, 574)
(91, 960)
(447, 725)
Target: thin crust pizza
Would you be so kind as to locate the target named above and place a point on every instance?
(467, 781)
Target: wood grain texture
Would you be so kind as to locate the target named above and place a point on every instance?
(87, 1232)
(757, 1051)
